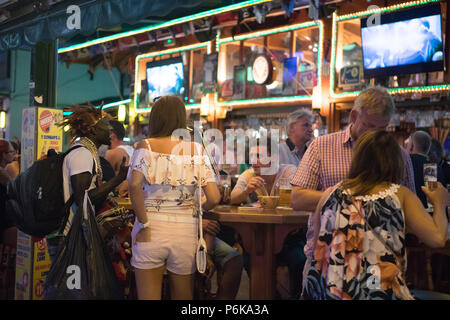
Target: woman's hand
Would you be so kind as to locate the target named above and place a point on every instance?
(143, 235)
(255, 183)
(438, 196)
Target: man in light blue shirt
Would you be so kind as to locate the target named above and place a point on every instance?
(299, 132)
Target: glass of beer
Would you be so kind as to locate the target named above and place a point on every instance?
(430, 179)
(430, 175)
(285, 193)
(225, 188)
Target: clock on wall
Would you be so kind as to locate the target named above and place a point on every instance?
(262, 69)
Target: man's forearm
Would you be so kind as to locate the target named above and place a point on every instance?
(305, 199)
(98, 194)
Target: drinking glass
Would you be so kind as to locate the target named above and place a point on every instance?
(430, 179)
(430, 175)
(285, 192)
(225, 188)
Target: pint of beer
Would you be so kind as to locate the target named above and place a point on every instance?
(285, 193)
(430, 175)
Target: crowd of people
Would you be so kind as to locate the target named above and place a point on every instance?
(364, 192)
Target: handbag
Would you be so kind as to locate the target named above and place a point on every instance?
(200, 256)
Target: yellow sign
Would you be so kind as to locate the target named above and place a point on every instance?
(23, 267)
(41, 266)
(49, 134)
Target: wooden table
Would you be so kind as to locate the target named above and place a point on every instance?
(263, 233)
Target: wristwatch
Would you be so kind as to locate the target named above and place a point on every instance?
(143, 225)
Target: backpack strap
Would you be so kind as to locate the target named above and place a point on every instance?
(71, 149)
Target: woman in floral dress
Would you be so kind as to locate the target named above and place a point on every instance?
(360, 227)
(163, 177)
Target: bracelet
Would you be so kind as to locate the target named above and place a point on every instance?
(143, 225)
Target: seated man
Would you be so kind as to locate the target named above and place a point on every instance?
(262, 176)
(226, 259)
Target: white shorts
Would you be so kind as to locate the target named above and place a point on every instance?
(173, 244)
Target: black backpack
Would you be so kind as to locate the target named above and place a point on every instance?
(35, 198)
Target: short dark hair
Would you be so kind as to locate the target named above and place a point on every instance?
(168, 114)
(117, 128)
(370, 165)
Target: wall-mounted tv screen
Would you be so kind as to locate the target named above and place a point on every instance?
(403, 42)
(165, 77)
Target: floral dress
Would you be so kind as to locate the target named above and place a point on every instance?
(350, 261)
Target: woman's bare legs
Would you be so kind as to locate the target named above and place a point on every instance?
(149, 283)
(181, 286)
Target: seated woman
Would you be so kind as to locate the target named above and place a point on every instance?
(360, 226)
(162, 179)
(291, 259)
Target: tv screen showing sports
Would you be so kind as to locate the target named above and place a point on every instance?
(165, 77)
(403, 42)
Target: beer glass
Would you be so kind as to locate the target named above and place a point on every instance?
(285, 193)
(430, 179)
(430, 175)
(225, 188)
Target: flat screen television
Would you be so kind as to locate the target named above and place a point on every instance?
(403, 42)
(165, 77)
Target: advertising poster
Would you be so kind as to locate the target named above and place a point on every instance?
(23, 267)
(41, 266)
(350, 76)
(307, 80)
(40, 132)
(28, 138)
(49, 134)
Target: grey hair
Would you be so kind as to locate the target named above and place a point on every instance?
(375, 100)
(421, 141)
(297, 115)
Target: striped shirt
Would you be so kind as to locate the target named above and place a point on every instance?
(327, 161)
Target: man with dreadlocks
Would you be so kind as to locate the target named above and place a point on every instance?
(82, 168)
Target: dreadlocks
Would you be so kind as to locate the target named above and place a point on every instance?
(83, 119)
